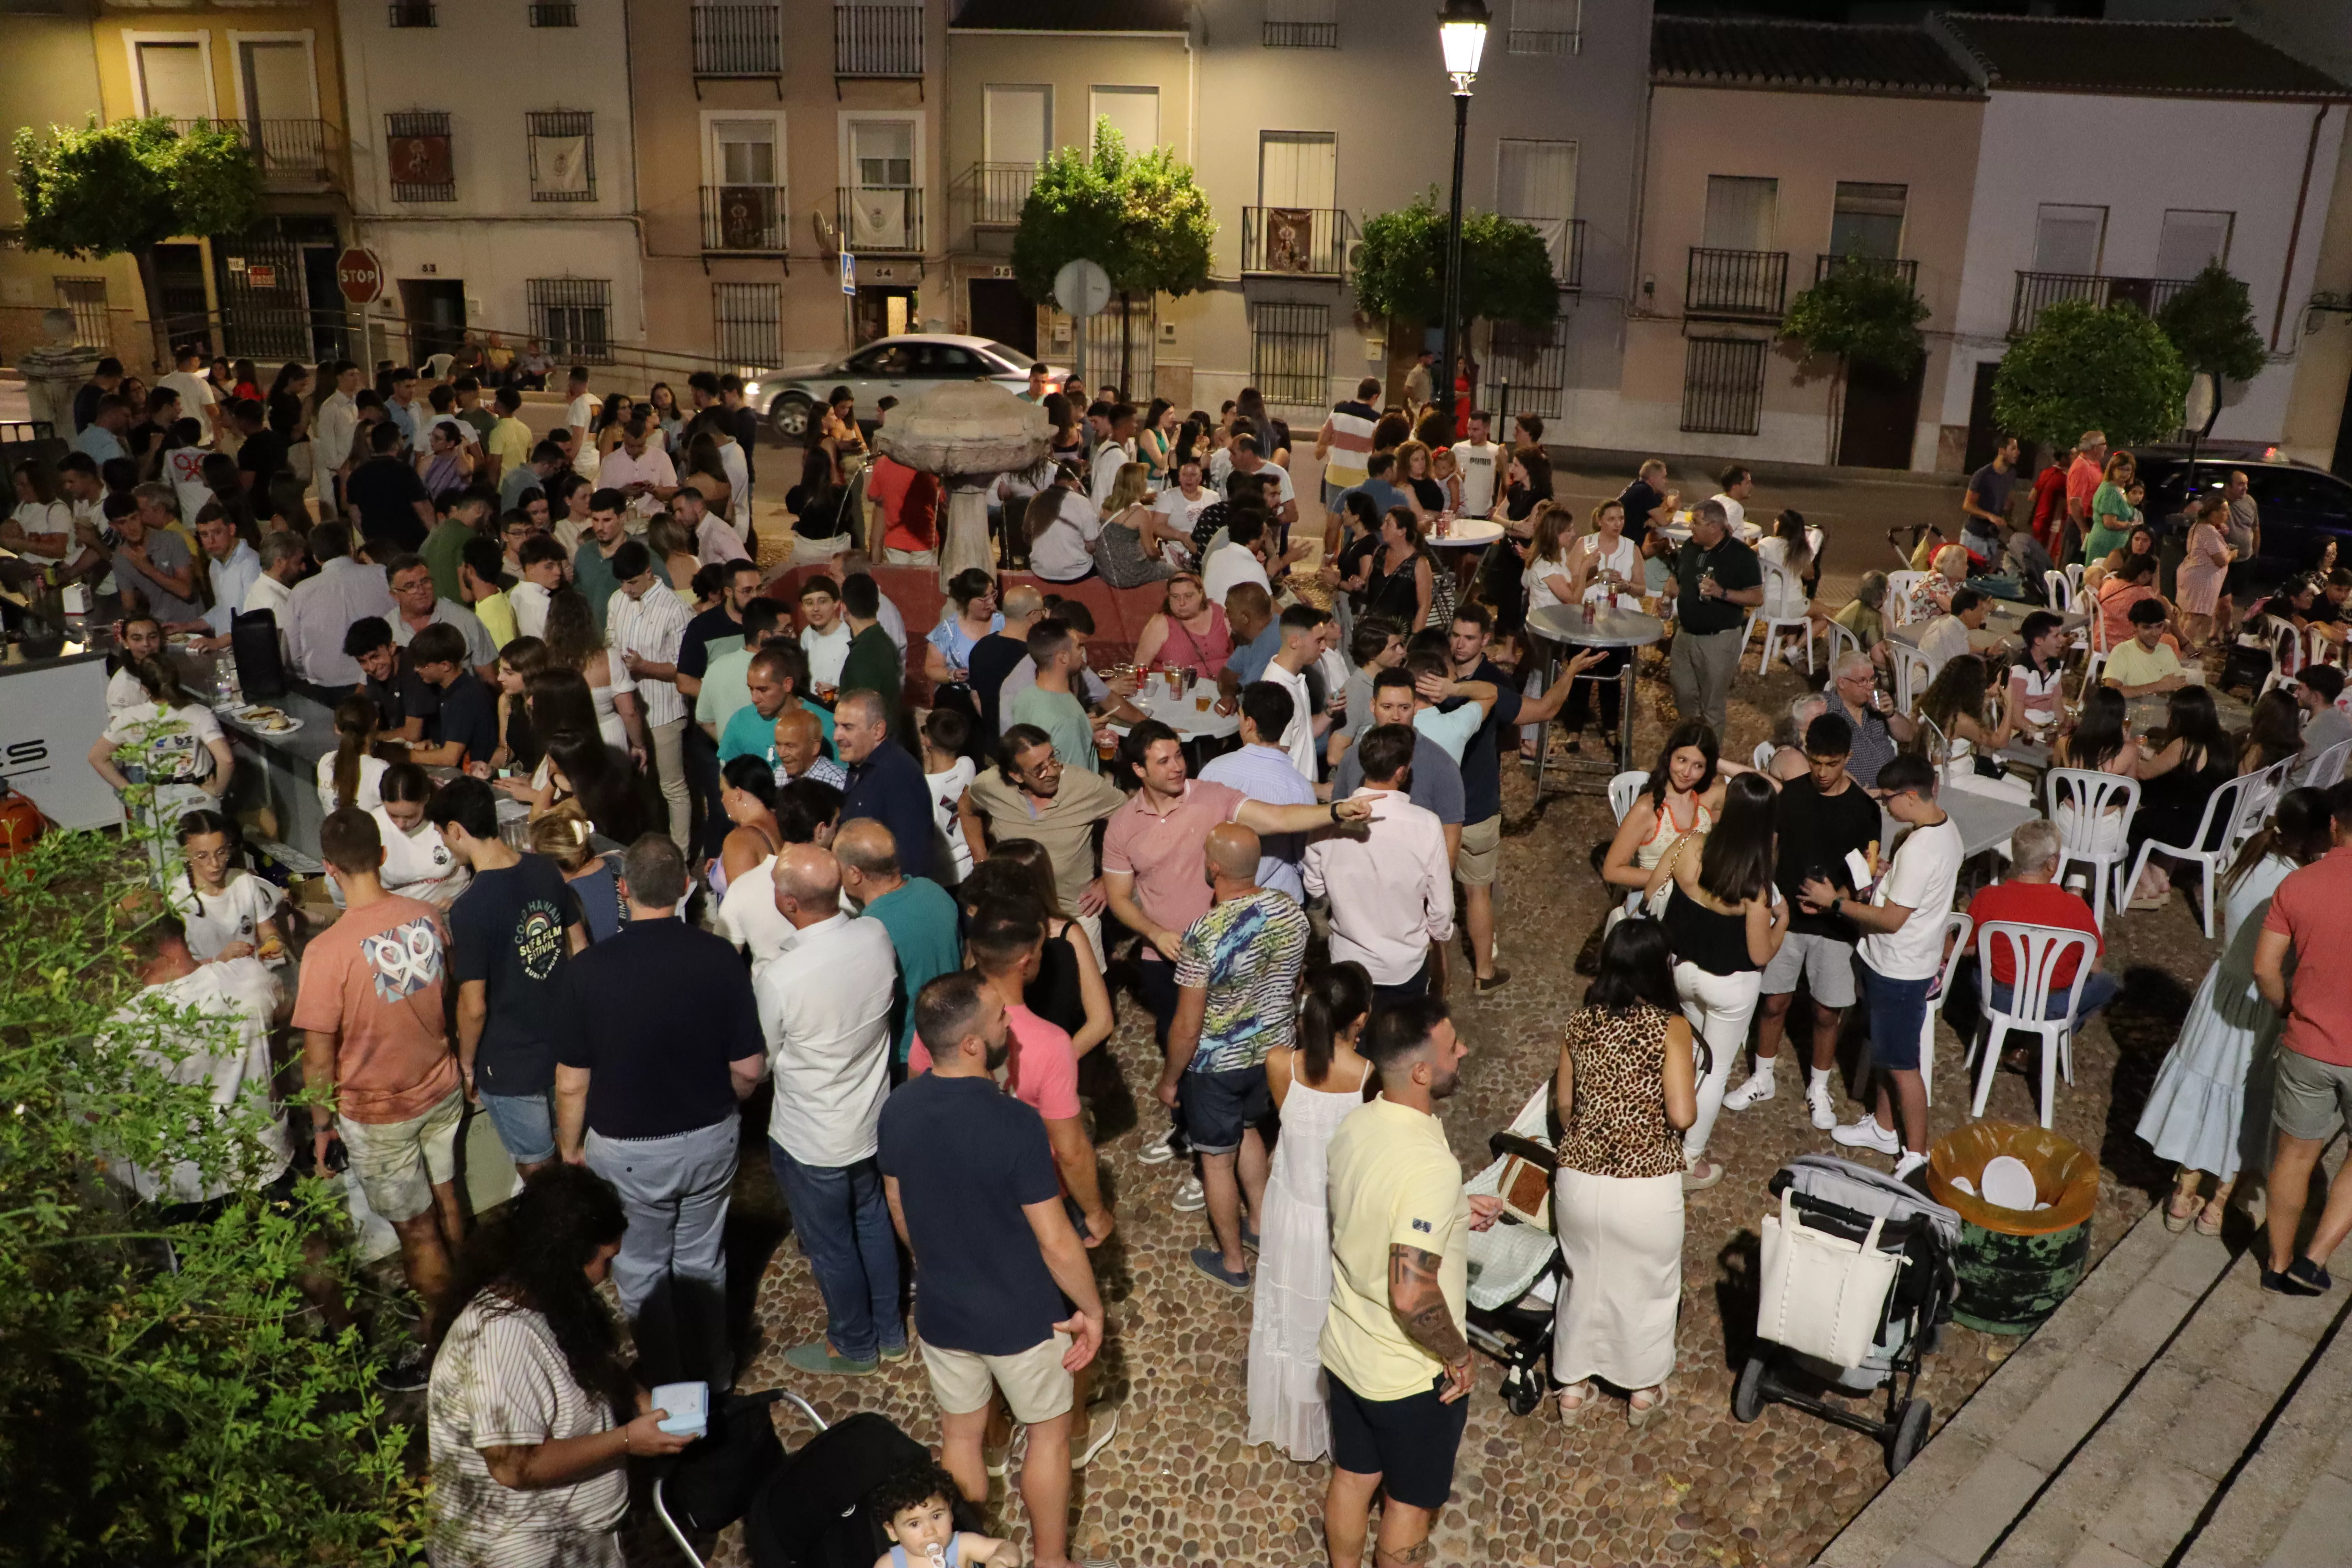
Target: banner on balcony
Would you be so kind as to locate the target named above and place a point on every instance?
(564, 165)
(878, 220)
(421, 161)
(1289, 239)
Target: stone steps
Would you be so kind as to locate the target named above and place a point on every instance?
(2169, 1414)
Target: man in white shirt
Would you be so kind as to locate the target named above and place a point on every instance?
(1284, 503)
(332, 432)
(1114, 454)
(716, 541)
(732, 468)
(1302, 645)
(198, 401)
(1739, 484)
(282, 562)
(543, 562)
(1478, 459)
(231, 564)
(1061, 552)
(1945, 637)
(639, 469)
(1391, 893)
(321, 610)
(1902, 950)
(1182, 503)
(643, 623)
(1241, 558)
(824, 635)
(578, 434)
(824, 1010)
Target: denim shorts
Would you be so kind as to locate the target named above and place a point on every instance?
(1897, 1009)
(526, 1124)
(1219, 1107)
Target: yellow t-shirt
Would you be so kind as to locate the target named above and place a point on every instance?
(1393, 1182)
(496, 615)
(510, 442)
(2132, 664)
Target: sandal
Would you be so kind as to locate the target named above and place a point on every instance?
(1638, 1416)
(2175, 1216)
(1582, 1393)
(2209, 1218)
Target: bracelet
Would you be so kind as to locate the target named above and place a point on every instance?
(1335, 811)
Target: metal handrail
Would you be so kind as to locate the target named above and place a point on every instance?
(2037, 292)
(292, 154)
(1296, 242)
(1741, 283)
(1904, 269)
(1568, 255)
(877, 41)
(746, 219)
(739, 37)
(997, 192)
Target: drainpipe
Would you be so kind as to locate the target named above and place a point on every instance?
(2295, 233)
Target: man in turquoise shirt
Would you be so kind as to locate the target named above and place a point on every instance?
(775, 677)
(920, 915)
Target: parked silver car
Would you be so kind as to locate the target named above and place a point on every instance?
(897, 367)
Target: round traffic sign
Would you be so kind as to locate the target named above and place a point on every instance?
(360, 274)
(1082, 287)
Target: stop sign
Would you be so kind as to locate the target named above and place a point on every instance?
(360, 274)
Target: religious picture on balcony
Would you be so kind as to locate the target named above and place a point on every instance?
(1289, 239)
(421, 161)
(747, 214)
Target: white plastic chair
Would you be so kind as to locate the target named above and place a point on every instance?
(2035, 951)
(2075, 574)
(2093, 794)
(2261, 799)
(1623, 788)
(1956, 936)
(2060, 590)
(1842, 642)
(2318, 650)
(2226, 809)
(1914, 673)
(2286, 657)
(1897, 609)
(2327, 768)
(1789, 589)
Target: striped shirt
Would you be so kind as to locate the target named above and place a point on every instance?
(502, 1380)
(1347, 431)
(1247, 952)
(653, 628)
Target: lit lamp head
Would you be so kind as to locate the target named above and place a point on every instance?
(1462, 32)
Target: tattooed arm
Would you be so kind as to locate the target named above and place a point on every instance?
(1421, 1310)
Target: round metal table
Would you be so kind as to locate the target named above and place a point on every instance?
(1610, 628)
(1465, 534)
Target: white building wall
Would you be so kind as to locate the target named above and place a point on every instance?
(2138, 157)
(494, 237)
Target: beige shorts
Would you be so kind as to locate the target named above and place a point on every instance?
(1481, 849)
(400, 1162)
(1036, 1385)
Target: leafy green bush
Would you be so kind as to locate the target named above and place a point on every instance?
(1507, 273)
(1859, 314)
(2084, 368)
(2211, 322)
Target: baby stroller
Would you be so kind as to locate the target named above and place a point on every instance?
(1515, 1265)
(1857, 1282)
(802, 1510)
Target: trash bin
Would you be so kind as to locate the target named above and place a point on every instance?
(2015, 1266)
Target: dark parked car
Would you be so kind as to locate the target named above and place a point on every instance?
(2302, 508)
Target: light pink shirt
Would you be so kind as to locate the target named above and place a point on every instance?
(1392, 894)
(620, 470)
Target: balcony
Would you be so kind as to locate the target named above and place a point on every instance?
(1906, 269)
(878, 43)
(1301, 36)
(2037, 292)
(413, 14)
(880, 220)
(745, 220)
(997, 192)
(1295, 242)
(1564, 236)
(554, 14)
(738, 38)
(295, 155)
(1736, 285)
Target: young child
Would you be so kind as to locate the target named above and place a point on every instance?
(228, 911)
(915, 1508)
(947, 772)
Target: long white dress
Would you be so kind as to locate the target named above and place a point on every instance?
(1286, 1400)
(2210, 1108)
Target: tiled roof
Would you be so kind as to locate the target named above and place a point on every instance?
(2202, 60)
(1073, 16)
(1825, 56)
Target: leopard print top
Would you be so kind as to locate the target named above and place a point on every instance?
(1618, 1125)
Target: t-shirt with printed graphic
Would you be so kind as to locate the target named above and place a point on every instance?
(372, 980)
(1247, 952)
(511, 931)
(175, 747)
(232, 914)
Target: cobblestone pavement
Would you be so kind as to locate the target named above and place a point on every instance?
(1178, 1486)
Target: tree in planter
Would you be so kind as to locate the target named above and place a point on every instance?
(1859, 314)
(1506, 268)
(2211, 323)
(131, 186)
(2084, 368)
(1142, 217)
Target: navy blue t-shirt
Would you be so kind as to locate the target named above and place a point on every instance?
(662, 1010)
(1640, 500)
(888, 787)
(511, 929)
(1482, 762)
(968, 1159)
(467, 714)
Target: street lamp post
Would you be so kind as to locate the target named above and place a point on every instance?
(1462, 33)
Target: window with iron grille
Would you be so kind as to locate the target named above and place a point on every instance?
(413, 14)
(1532, 363)
(1723, 385)
(572, 316)
(563, 154)
(1290, 352)
(1302, 24)
(554, 14)
(86, 298)
(1545, 26)
(419, 153)
(749, 319)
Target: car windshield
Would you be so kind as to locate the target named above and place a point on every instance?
(1011, 356)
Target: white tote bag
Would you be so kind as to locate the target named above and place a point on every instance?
(1823, 1295)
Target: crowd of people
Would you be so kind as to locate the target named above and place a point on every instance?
(622, 834)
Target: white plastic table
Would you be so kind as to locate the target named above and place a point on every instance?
(1184, 714)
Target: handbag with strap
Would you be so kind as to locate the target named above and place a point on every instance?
(1823, 1295)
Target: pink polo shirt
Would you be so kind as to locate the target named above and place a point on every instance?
(1042, 1071)
(2308, 909)
(1164, 852)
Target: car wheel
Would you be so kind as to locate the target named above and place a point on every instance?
(788, 415)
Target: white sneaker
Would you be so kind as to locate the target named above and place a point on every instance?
(1157, 1151)
(1824, 1110)
(1190, 1199)
(1909, 1164)
(1866, 1133)
(1758, 1086)
(1796, 657)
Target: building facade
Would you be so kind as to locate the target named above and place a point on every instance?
(773, 137)
(1779, 152)
(497, 196)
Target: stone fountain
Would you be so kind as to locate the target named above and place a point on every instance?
(968, 432)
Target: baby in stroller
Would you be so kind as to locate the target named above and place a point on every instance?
(917, 1509)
